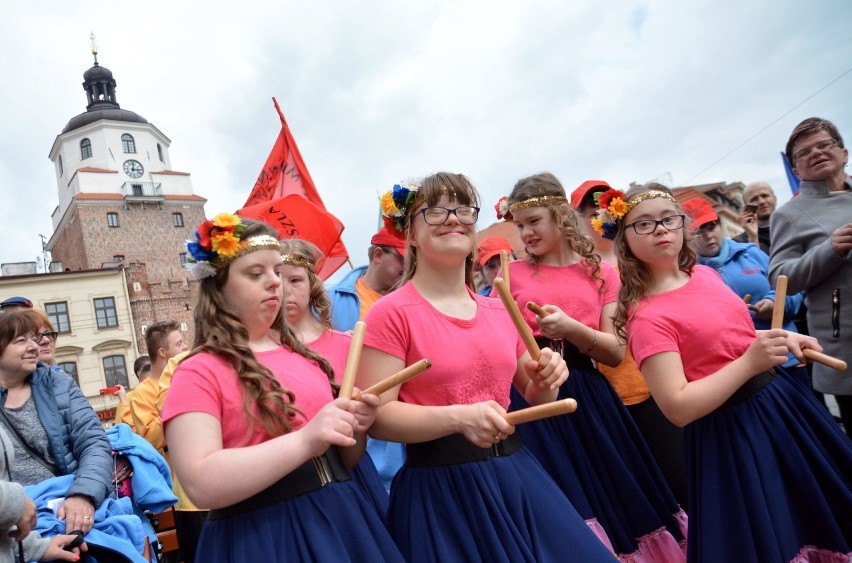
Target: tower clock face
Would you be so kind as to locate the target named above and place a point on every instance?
(133, 168)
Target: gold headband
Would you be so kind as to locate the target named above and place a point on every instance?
(539, 201)
(251, 244)
(653, 194)
(299, 262)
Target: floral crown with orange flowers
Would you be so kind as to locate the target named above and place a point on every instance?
(398, 202)
(218, 242)
(613, 208)
(504, 209)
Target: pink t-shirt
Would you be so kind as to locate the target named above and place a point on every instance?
(207, 383)
(571, 288)
(704, 321)
(472, 360)
(333, 345)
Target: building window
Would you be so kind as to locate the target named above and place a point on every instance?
(128, 145)
(137, 189)
(71, 369)
(118, 258)
(183, 259)
(177, 219)
(58, 315)
(115, 371)
(160, 152)
(85, 149)
(61, 170)
(112, 219)
(105, 312)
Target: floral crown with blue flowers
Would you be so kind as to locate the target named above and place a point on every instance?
(398, 202)
(613, 207)
(218, 242)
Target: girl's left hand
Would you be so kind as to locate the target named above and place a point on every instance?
(556, 324)
(549, 372)
(797, 342)
(364, 409)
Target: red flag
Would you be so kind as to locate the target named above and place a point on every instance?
(285, 174)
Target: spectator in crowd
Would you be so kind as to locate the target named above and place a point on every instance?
(488, 260)
(15, 304)
(142, 369)
(760, 202)
(812, 246)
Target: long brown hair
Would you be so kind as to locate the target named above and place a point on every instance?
(546, 184)
(219, 331)
(459, 188)
(635, 278)
(318, 301)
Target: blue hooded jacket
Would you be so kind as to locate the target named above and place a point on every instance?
(345, 304)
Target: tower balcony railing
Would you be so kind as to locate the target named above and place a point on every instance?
(142, 190)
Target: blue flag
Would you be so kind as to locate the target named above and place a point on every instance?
(792, 178)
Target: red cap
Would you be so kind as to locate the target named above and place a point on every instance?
(491, 247)
(583, 189)
(700, 211)
(387, 238)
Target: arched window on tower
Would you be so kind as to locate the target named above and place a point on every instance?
(85, 149)
(160, 152)
(128, 145)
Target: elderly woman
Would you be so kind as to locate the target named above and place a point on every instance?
(53, 428)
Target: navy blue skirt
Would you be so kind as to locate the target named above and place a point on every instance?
(769, 479)
(368, 478)
(601, 462)
(505, 509)
(334, 523)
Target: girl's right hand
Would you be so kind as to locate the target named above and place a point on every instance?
(333, 425)
(484, 424)
(768, 350)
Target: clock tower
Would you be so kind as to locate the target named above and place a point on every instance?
(122, 205)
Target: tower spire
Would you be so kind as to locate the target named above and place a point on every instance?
(94, 44)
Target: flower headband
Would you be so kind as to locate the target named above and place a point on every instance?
(504, 210)
(299, 262)
(398, 202)
(218, 242)
(613, 208)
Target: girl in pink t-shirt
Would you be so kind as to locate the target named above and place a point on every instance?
(254, 430)
(307, 310)
(468, 490)
(597, 455)
(769, 471)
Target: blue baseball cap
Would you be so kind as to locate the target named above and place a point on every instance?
(16, 302)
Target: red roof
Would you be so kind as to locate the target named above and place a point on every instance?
(505, 229)
(98, 196)
(97, 170)
(171, 173)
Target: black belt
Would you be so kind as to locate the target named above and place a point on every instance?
(456, 449)
(570, 353)
(314, 474)
(749, 388)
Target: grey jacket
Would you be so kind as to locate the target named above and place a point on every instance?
(801, 250)
(77, 441)
(12, 508)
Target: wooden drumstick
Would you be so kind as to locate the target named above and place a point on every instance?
(520, 324)
(537, 412)
(504, 266)
(824, 359)
(352, 359)
(537, 309)
(398, 378)
(780, 302)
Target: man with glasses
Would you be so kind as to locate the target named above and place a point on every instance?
(812, 246)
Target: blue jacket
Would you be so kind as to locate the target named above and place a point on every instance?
(345, 304)
(152, 478)
(745, 269)
(77, 441)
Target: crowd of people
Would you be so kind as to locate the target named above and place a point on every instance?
(701, 433)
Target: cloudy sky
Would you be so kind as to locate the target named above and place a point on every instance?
(686, 92)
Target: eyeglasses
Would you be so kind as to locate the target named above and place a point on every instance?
(648, 226)
(466, 214)
(820, 146)
(39, 337)
(146, 367)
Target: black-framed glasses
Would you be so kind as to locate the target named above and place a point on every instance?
(146, 367)
(648, 226)
(820, 146)
(466, 214)
(40, 336)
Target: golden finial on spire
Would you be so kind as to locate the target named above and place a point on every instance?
(94, 44)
